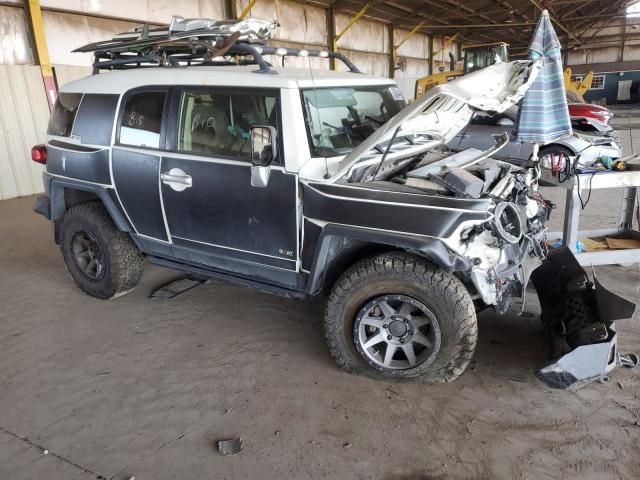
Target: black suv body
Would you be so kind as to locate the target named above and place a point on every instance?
(302, 184)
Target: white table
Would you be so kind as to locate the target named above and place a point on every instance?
(630, 181)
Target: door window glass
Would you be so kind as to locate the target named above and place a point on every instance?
(142, 119)
(220, 124)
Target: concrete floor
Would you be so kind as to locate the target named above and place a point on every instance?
(144, 387)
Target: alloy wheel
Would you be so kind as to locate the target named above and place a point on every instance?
(397, 332)
(88, 255)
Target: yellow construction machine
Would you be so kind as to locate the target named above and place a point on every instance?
(481, 56)
(475, 58)
(575, 89)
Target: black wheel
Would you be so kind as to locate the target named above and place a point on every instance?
(397, 315)
(102, 260)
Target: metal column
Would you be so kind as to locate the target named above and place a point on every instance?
(351, 23)
(246, 10)
(34, 14)
(630, 181)
(395, 47)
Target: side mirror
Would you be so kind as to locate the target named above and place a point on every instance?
(264, 148)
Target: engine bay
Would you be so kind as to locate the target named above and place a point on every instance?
(510, 243)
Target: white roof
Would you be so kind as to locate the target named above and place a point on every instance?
(232, 76)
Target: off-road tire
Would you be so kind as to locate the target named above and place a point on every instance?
(406, 274)
(123, 261)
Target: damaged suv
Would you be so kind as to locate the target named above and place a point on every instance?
(307, 184)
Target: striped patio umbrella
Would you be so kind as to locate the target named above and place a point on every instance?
(544, 115)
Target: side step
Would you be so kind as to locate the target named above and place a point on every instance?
(204, 272)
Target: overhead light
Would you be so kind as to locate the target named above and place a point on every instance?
(303, 53)
(281, 51)
(323, 54)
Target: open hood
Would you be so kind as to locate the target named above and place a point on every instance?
(440, 115)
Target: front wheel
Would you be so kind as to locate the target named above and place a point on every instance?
(397, 315)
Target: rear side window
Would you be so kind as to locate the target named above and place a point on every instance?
(142, 119)
(64, 113)
(219, 124)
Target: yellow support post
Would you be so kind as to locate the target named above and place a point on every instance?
(357, 17)
(413, 31)
(395, 47)
(247, 9)
(42, 52)
(449, 41)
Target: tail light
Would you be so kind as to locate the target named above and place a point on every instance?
(39, 154)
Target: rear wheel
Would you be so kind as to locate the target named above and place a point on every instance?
(396, 315)
(103, 261)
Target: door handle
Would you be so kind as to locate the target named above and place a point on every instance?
(177, 179)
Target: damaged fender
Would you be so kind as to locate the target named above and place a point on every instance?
(336, 239)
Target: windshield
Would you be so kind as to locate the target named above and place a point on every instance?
(340, 118)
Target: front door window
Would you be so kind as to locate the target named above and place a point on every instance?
(219, 125)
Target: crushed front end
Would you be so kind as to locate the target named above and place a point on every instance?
(503, 250)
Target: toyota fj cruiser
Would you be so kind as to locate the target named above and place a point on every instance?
(296, 182)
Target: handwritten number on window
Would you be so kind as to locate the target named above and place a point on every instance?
(135, 120)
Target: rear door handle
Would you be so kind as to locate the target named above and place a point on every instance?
(177, 179)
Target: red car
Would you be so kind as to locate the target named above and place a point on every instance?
(589, 110)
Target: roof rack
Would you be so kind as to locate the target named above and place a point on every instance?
(197, 42)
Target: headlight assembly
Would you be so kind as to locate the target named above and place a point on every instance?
(507, 222)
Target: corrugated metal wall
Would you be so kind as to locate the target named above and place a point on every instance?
(413, 56)
(604, 45)
(23, 122)
(14, 37)
(141, 10)
(301, 26)
(71, 31)
(69, 73)
(366, 44)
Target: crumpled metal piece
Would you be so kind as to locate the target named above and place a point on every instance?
(251, 29)
(579, 320)
(582, 365)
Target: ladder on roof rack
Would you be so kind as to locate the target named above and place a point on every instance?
(193, 42)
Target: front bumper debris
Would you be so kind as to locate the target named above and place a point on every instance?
(578, 317)
(583, 365)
